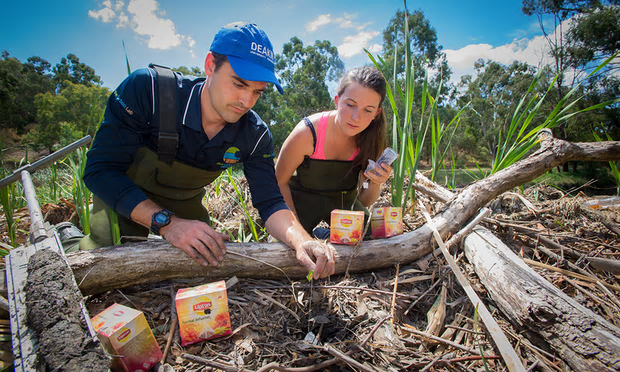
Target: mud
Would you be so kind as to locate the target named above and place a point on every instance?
(54, 315)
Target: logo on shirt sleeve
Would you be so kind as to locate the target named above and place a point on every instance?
(231, 156)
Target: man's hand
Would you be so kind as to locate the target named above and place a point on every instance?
(318, 257)
(197, 239)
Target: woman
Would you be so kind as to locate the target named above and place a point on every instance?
(319, 168)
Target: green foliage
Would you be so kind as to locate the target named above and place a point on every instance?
(304, 72)
(492, 96)
(195, 71)
(71, 70)
(67, 116)
(19, 84)
(76, 163)
(241, 202)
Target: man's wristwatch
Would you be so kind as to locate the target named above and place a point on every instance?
(160, 219)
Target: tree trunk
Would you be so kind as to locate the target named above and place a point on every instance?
(584, 340)
(115, 267)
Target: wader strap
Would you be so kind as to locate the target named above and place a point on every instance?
(168, 141)
(309, 125)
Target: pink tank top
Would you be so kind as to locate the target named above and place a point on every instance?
(319, 149)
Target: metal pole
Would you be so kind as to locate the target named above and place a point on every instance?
(43, 162)
(37, 226)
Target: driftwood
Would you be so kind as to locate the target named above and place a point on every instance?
(583, 339)
(115, 267)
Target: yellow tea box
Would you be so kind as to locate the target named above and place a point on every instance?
(346, 226)
(124, 332)
(386, 222)
(203, 312)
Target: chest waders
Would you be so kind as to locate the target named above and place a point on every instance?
(320, 186)
(169, 183)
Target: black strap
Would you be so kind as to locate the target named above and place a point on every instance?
(309, 125)
(168, 140)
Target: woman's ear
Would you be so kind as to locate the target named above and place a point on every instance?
(378, 112)
(336, 101)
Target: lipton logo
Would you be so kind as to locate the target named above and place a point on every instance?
(124, 335)
(394, 214)
(202, 305)
(346, 221)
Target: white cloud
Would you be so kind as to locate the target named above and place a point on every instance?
(534, 51)
(353, 45)
(160, 32)
(106, 14)
(322, 20)
(146, 19)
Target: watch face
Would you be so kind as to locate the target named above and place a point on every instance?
(161, 218)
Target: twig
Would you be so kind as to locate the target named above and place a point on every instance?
(173, 325)
(422, 296)
(212, 363)
(410, 329)
(264, 296)
(394, 292)
(569, 273)
(347, 359)
(368, 336)
(508, 353)
(378, 291)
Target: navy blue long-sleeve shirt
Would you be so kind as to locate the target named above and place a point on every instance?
(128, 125)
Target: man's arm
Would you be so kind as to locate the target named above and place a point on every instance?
(318, 257)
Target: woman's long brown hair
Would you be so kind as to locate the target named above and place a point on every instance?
(371, 141)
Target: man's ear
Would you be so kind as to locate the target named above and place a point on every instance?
(209, 65)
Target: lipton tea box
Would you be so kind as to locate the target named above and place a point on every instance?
(203, 312)
(346, 226)
(124, 332)
(386, 222)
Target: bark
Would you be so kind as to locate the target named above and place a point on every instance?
(584, 340)
(104, 269)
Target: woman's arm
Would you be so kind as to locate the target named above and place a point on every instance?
(376, 177)
(296, 146)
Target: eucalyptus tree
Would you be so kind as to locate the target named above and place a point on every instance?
(304, 72)
(19, 84)
(493, 95)
(583, 34)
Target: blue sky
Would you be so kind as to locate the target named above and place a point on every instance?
(176, 33)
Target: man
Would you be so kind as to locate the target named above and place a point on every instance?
(151, 170)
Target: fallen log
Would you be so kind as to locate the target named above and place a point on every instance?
(115, 267)
(584, 340)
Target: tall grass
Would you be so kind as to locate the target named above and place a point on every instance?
(80, 193)
(407, 138)
(522, 134)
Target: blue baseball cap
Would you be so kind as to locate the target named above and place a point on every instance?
(249, 52)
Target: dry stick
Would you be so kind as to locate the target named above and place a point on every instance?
(368, 336)
(410, 329)
(422, 296)
(223, 366)
(395, 291)
(510, 356)
(453, 241)
(614, 299)
(378, 291)
(533, 233)
(570, 273)
(173, 326)
(347, 359)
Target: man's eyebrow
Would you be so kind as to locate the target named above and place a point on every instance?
(241, 81)
(245, 83)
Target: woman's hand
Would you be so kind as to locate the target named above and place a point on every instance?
(380, 174)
